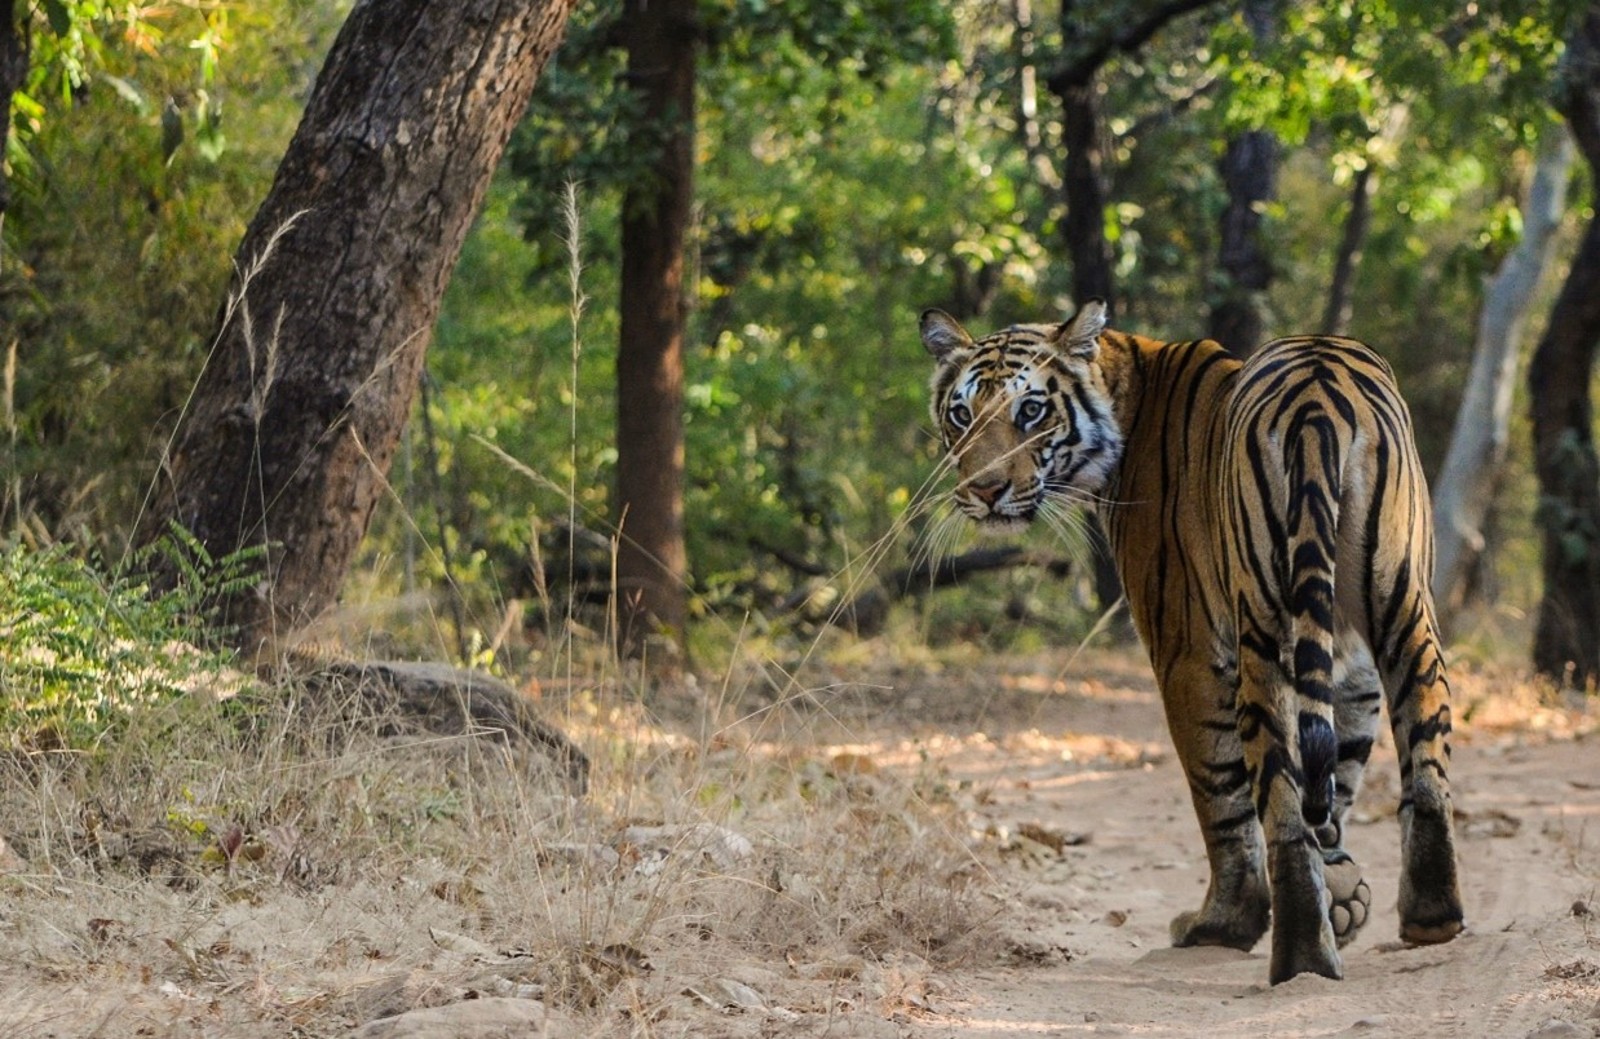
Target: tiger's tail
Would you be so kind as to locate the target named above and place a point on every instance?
(1315, 457)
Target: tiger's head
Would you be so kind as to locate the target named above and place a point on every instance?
(1025, 415)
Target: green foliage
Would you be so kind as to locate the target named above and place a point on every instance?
(116, 247)
(81, 650)
(160, 60)
(858, 160)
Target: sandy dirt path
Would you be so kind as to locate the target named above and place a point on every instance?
(1094, 937)
(1050, 782)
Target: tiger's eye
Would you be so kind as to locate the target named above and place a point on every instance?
(1030, 411)
(960, 416)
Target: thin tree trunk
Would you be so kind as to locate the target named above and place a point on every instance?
(1357, 222)
(1083, 181)
(1025, 51)
(1463, 492)
(13, 70)
(1082, 174)
(1249, 169)
(1084, 186)
(318, 352)
(652, 566)
(1566, 643)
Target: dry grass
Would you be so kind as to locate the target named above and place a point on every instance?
(262, 864)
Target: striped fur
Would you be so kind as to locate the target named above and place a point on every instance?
(1270, 522)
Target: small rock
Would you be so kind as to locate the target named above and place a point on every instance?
(1557, 1029)
(651, 845)
(1582, 908)
(723, 993)
(492, 1018)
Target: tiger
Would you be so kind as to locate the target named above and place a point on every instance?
(1270, 523)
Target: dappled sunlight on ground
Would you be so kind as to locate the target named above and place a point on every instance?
(884, 847)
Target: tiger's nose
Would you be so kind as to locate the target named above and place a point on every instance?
(988, 489)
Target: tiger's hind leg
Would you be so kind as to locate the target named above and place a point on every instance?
(1419, 713)
(1357, 697)
(1274, 728)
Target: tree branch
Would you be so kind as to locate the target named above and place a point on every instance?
(1078, 68)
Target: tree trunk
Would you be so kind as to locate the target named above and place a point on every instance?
(1084, 187)
(652, 568)
(1083, 183)
(13, 70)
(319, 348)
(1566, 644)
(1464, 491)
(1024, 51)
(1082, 174)
(1341, 290)
(1249, 169)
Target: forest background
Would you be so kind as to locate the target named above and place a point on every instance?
(1360, 167)
(257, 411)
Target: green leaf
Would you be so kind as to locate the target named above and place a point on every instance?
(59, 15)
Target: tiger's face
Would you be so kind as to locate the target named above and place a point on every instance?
(1024, 414)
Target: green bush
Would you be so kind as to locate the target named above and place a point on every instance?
(82, 649)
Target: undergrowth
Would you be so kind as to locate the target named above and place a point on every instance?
(81, 649)
(319, 874)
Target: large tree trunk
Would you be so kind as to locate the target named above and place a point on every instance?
(1566, 643)
(1249, 170)
(1464, 490)
(652, 568)
(317, 357)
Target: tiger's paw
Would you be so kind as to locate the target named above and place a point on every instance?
(1430, 897)
(1303, 923)
(1235, 926)
(1348, 896)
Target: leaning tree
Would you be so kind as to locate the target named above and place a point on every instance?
(287, 438)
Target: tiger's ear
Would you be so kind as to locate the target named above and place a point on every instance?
(943, 334)
(1080, 337)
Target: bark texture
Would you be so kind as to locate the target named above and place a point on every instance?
(316, 363)
(652, 567)
(1463, 492)
(1566, 643)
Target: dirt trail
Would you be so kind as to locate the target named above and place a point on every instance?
(1527, 794)
(1052, 776)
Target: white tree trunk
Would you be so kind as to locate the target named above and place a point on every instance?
(1462, 494)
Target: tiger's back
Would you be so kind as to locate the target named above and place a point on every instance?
(1270, 523)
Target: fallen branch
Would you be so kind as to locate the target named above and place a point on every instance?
(867, 613)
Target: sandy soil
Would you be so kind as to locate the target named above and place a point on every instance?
(1527, 785)
(1079, 825)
